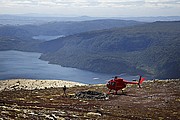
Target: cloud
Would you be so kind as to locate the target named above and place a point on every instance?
(167, 2)
(92, 7)
(91, 3)
(163, 3)
(17, 2)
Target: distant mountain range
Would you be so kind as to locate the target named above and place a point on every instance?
(106, 46)
(63, 28)
(24, 19)
(17, 37)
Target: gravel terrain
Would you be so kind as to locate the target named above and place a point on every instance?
(156, 100)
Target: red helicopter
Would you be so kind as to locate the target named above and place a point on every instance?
(119, 83)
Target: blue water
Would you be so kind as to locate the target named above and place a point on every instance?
(46, 37)
(17, 64)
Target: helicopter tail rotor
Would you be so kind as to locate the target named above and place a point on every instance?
(141, 79)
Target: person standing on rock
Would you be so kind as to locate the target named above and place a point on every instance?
(64, 91)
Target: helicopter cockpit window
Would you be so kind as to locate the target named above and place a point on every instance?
(113, 83)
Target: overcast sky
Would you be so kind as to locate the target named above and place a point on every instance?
(96, 8)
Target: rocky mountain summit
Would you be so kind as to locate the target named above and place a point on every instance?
(158, 99)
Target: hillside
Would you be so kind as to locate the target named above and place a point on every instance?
(63, 28)
(22, 35)
(107, 46)
(150, 49)
(73, 27)
(14, 43)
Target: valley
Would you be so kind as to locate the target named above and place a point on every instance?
(103, 46)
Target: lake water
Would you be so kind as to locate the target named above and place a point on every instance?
(46, 37)
(17, 64)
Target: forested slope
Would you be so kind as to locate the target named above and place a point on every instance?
(20, 37)
(107, 46)
(151, 49)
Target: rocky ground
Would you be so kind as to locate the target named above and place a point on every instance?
(156, 100)
(29, 84)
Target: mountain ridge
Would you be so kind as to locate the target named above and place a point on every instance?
(143, 49)
(150, 49)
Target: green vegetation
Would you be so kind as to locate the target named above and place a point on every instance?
(151, 49)
(107, 46)
(63, 28)
(22, 35)
(14, 43)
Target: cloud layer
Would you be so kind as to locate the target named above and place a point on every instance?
(92, 3)
(89, 5)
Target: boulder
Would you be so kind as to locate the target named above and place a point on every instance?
(91, 95)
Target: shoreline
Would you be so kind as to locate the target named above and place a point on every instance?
(31, 84)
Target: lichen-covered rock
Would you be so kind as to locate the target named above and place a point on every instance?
(91, 95)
